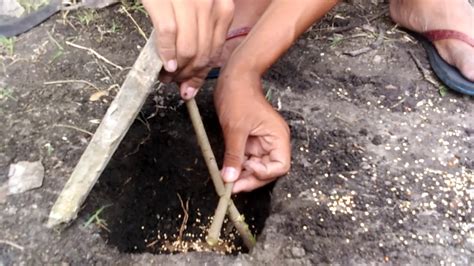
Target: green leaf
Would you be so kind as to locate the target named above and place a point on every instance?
(443, 90)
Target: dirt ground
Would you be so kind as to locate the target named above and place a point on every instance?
(382, 166)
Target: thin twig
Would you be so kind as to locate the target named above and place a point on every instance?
(76, 128)
(142, 33)
(356, 24)
(234, 215)
(426, 73)
(72, 81)
(94, 53)
(369, 48)
(7, 242)
(55, 42)
(185, 217)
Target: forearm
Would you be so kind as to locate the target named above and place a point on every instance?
(281, 24)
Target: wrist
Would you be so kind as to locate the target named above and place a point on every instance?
(243, 62)
(238, 81)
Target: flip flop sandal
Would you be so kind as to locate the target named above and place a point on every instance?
(448, 74)
(23, 24)
(214, 73)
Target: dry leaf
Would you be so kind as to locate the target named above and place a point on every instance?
(97, 95)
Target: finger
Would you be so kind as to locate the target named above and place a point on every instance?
(235, 139)
(203, 43)
(163, 18)
(253, 147)
(225, 11)
(267, 171)
(205, 35)
(187, 38)
(189, 88)
(248, 183)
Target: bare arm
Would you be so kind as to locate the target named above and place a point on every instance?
(257, 138)
(275, 32)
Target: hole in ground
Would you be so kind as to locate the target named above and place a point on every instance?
(159, 162)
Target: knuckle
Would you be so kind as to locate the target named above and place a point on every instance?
(187, 52)
(201, 62)
(227, 8)
(166, 30)
(232, 158)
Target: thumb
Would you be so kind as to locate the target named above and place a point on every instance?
(189, 88)
(234, 154)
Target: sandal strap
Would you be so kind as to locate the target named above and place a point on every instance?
(238, 32)
(436, 35)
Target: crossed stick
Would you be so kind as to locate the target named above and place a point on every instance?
(225, 205)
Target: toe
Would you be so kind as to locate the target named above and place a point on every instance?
(463, 57)
(458, 54)
(466, 66)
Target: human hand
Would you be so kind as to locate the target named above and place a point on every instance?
(257, 138)
(190, 36)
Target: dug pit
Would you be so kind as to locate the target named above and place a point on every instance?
(156, 194)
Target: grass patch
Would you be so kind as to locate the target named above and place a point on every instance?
(95, 218)
(30, 6)
(442, 90)
(87, 16)
(7, 93)
(7, 44)
(336, 40)
(115, 27)
(135, 6)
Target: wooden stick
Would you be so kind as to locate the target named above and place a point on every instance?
(203, 141)
(118, 119)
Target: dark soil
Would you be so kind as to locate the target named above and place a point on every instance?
(382, 164)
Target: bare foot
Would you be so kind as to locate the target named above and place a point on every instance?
(425, 15)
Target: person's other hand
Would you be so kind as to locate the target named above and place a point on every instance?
(190, 36)
(257, 138)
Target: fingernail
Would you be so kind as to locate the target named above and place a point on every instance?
(230, 174)
(195, 93)
(171, 66)
(189, 93)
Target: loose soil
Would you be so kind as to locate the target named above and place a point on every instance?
(382, 162)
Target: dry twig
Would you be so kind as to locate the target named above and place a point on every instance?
(7, 242)
(72, 81)
(94, 53)
(369, 48)
(426, 73)
(74, 127)
(185, 217)
(358, 23)
(142, 33)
